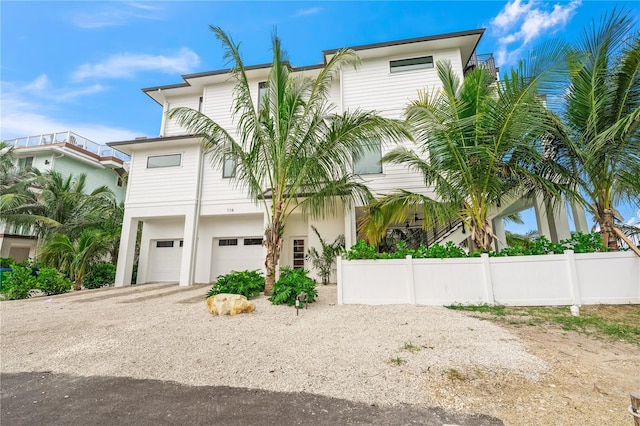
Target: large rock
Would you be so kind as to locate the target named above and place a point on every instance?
(229, 304)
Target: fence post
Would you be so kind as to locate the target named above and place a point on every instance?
(339, 278)
(410, 281)
(573, 277)
(488, 281)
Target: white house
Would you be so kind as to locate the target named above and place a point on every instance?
(197, 225)
(68, 154)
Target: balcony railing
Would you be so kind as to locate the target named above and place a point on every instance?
(71, 138)
(485, 60)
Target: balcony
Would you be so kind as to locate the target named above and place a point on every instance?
(483, 60)
(69, 138)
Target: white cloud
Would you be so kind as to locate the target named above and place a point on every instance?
(127, 64)
(29, 108)
(522, 23)
(307, 12)
(117, 14)
(635, 220)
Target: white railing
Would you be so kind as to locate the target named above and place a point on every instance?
(68, 137)
(557, 279)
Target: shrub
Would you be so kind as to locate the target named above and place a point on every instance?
(246, 283)
(18, 283)
(292, 282)
(99, 275)
(51, 282)
(6, 262)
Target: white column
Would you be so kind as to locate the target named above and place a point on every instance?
(501, 235)
(127, 251)
(542, 218)
(187, 265)
(579, 218)
(559, 221)
(350, 234)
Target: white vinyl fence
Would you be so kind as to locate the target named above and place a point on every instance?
(556, 279)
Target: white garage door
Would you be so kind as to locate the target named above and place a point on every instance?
(236, 254)
(165, 257)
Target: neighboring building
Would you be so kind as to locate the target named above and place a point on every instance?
(198, 225)
(69, 154)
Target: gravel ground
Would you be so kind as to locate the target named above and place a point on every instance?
(344, 351)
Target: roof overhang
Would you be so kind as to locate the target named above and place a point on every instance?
(141, 144)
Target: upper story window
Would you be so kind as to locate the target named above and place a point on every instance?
(401, 65)
(262, 92)
(229, 167)
(25, 162)
(369, 163)
(155, 161)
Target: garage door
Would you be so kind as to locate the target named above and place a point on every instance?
(164, 264)
(236, 254)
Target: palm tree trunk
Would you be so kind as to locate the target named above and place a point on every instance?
(273, 242)
(77, 284)
(482, 234)
(607, 233)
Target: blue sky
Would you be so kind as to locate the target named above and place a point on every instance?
(80, 66)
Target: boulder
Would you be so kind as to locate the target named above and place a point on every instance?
(229, 304)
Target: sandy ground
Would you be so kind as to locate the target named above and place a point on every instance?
(383, 355)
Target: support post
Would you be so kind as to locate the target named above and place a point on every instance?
(188, 247)
(127, 250)
(576, 297)
(350, 234)
(339, 278)
(488, 280)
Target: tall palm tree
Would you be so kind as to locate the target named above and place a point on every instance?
(74, 257)
(478, 141)
(14, 181)
(61, 204)
(293, 152)
(602, 117)
(323, 260)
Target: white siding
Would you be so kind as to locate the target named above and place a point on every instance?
(374, 87)
(164, 185)
(171, 128)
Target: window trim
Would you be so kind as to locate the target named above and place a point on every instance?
(149, 157)
(226, 174)
(411, 64)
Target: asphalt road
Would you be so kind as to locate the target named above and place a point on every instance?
(45, 398)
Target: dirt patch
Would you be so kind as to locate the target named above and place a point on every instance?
(588, 381)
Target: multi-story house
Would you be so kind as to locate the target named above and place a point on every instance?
(69, 154)
(198, 225)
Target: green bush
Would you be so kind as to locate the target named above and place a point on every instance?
(17, 284)
(51, 282)
(292, 282)
(99, 275)
(6, 262)
(246, 283)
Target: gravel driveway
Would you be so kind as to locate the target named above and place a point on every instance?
(382, 355)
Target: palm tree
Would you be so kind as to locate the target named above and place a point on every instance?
(60, 205)
(14, 181)
(74, 257)
(292, 153)
(602, 114)
(478, 141)
(324, 260)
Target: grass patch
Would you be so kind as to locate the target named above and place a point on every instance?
(616, 322)
(408, 346)
(396, 361)
(454, 374)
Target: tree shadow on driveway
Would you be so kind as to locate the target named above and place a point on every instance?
(45, 398)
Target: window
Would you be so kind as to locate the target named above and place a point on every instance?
(25, 162)
(369, 163)
(411, 64)
(181, 243)
(228, 242)
(253, 241)
(229, 167)
(263, 89)
(200, 104)
(156, 161)
(164, 243)
(298, 254)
